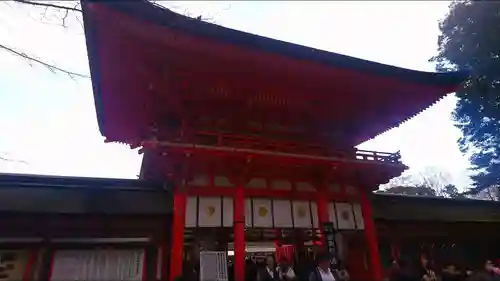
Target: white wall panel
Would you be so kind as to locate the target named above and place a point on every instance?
(97, 265)
(199, 180)
(282, 211)
(262, 215)
(191, 211)
(304, 186)
(332, 214)
(227, 212)
(358, 217)
(281, 184)
(222, 181)
(210, 212)
(248, 213)
(345, 216)
(314, 210)
(302, 214)
(256, 183)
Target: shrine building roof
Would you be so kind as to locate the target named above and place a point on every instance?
(38, 194)
(83, 195)
(378, 98)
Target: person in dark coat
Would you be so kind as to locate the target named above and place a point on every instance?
(304, 266)
(268, 273)
(491, 271)
(285, 271)
(323, 271)
(483, 272)
(339, 269)
(251, 270)
(402, 272)
(450, 273)
(424, 271)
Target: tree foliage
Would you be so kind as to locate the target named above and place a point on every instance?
(412, 190)
(430, 181)
(429, 177)
(470, 41)
(449, 191)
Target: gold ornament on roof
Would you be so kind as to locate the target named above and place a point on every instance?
(209, 211)
(346, 215)
(262, 211)
(301, 211)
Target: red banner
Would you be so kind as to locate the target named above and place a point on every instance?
(284, 251)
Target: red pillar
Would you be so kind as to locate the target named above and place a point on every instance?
(28, 270)
(145, 261)
(239, 233)
(177, 234)
(277, 245)
(371, 238)
(322, 206)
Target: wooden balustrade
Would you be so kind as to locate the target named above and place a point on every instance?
(259, 145)
(386, 157)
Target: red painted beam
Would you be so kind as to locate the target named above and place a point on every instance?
(269, 193)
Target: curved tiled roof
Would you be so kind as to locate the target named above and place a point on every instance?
(158, 15)
(150, 13)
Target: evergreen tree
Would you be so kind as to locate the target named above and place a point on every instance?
(413, 190)
(470, 40)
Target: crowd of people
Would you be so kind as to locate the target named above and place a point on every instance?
(423, 270)
(325, 269)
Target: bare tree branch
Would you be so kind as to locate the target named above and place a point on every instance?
(430, 177)
(4, 158)
(66, 10)
(32, 59)
(48, 5)
(53, 68)
(184, 11)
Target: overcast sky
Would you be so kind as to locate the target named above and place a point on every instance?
(48, 121)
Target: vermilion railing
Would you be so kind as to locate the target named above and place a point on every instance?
(378, 156)
(257, 145)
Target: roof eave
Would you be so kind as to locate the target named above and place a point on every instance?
(148, 12)
(92, 54)
(157, 15)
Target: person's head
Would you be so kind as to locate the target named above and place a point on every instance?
(323, 260)
(424, 261)
(488, 266)
(394, 264)
(270, 260)
(450, 267)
